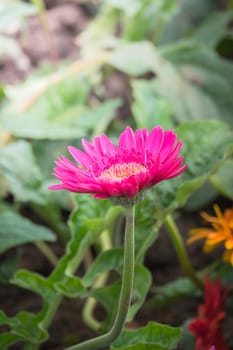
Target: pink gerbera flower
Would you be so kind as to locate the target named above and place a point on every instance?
(140, 161)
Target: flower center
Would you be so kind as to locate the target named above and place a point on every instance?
(118, 172)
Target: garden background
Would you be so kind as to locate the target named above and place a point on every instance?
(79, 68)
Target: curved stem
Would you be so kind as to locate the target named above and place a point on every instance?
(181, 251)
(45, 249)
(125, 294)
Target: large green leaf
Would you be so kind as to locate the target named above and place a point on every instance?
(140, 290)
(154, 336)
(170, 292)
(7, 339)
(15, 230)
(196, 81)
(149, 109)
(61, 112)
(134, 58)
(214, 28)
(7, 268)
(112, 259)
(99, 34)
(205, 145)
(18, 165)
(190, 14)
(25, 327)
(33, 282)
(147, 225)
(108, 296)
(222, 179)
(197, 201)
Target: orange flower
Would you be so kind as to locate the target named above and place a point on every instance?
(221, 232)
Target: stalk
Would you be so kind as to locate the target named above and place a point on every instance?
(181, 251)
(126, 291)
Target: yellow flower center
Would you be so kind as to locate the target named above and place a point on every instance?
(118, 172)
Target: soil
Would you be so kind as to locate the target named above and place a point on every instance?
(47, 43)
(66, 20)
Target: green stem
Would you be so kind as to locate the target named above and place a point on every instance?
(88, 310)
(181, 251)
(150, 238)
(45, 249)
(125, 294)
(45, 322)
(52, 308)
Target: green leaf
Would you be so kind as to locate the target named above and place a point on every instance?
(149, 109)
(15, 230)
(134, 58)
(189, 15)
(18, 165)
(61, 112)
(129, 7)
(108, 296)
(214, 28)
(82, 238)
(99, 34)
(205, 146)
(62, 280)
(197, 201)
(71, 286)
(33, 282)
(10, 321)
(25, 327)
(154, 336)
(224, 272)
(8, 339)
(140, 290)
(57, 108)
(196, 81)
(111, 259)
(222, 179)
(28, 328)
(172, 291)
(188, 340)
(7, 268)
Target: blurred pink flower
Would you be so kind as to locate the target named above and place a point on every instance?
(140, 161)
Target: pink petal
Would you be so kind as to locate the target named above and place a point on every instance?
(106, 145)
(89, 148)
(127, 140)
(140, 136)
(168, 144)
(155, 140)
(80, 157)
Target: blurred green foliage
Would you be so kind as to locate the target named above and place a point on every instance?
(175, 59)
